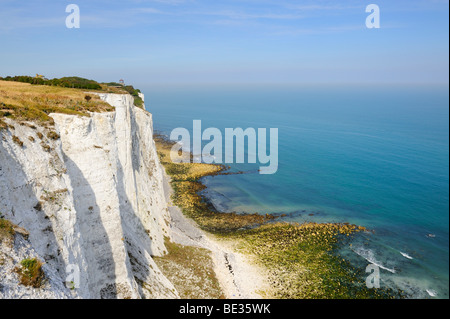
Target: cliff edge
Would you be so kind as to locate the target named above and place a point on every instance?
(89, 192)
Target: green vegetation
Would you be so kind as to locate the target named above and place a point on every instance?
(135, 93)
(6, 231)
(113, 84)
(30, 273)
(75, 82)
(26, 102)
(301, 261)
(191, 270)
(67, 82)
(121, 89)
(185, 183)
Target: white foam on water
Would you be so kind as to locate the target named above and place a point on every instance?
(406, 255)
(432, 293)
(368, 255)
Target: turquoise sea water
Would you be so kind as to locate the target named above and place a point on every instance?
(375, 156)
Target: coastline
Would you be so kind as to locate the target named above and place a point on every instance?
(238, 277)
(256, 256)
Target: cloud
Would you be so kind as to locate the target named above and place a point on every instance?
(145, 10)
(284, 31)
(240, 15)
(167, 2)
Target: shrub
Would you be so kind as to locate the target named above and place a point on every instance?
(135, 93)
(112, 84)
(30, 273)
(17, 141)
(53, 135)
(6, 230)
(68, 82)
(46, 147)
(3, 125)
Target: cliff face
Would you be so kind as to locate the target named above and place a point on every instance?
(91, 199)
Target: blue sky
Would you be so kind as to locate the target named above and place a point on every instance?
(228, 41)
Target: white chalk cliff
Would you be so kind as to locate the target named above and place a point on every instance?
(92, 200)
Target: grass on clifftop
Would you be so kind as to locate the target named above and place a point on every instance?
(26, 102)
(300, 260)
(33, 102)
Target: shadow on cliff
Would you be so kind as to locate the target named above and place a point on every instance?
(30, 213)
(131, 223)
(96, 247)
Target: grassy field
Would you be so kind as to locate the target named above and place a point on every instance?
(26, 102)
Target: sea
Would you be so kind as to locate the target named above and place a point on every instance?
(371, 155)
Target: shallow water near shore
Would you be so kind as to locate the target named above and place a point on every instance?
(373, 156)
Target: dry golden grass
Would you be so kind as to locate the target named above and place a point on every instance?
(23, 101)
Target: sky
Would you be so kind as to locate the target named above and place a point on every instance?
(228, 41)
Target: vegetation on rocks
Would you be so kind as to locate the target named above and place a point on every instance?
(3, 125)
(186, 185)
(191, 270)
(300, 260)
(135, 93)
(30, 270)
(31, 273)
(6, 231)
(17, 140)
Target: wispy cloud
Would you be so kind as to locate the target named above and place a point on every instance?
(286, 31)
(166, 2)
(316, 7)
(242, 15)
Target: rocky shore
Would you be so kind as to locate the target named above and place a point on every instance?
(289, 260)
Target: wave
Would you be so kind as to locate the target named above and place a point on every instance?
(431, 292)
(406, 255)
(368, 255)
